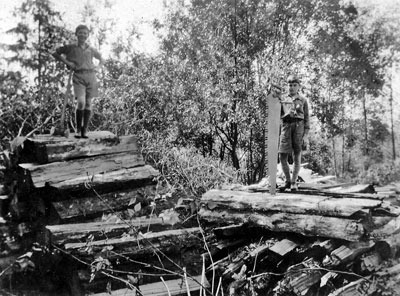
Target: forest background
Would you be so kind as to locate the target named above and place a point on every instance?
(198, 104)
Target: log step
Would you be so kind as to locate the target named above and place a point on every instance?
(94, 206)
(140, 244)
(69, 233)
(48, 150)
(58, 172)
(78, 181)
(308, 225)
(43, 147)
(289, 203)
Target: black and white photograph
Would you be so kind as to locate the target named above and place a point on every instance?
(200, 147)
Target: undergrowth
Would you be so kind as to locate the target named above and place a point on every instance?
(381, 173)
(185, 169)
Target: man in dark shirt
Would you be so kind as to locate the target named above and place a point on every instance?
(79, 58)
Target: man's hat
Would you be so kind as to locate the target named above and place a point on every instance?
(293, 79)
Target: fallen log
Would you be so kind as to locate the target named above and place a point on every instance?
(46, 150)
(69, 233)
(369, 263)
(308, 225)
(360, 287)
(393, 270)
(359, 188)
(346, 253)
(320, 186)
(288, 203)
(166, 288)
(145, 270)
(391, 245)
(307, 191)
(58, 172)
(94, 206)
(139, 176)
(304, 189)
(139, 244)
(248, 256)
(35, 148)
(299, 278)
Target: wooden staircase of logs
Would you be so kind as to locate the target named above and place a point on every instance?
(92, 220)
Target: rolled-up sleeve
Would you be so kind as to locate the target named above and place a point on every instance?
(306, 115)
(63, 50)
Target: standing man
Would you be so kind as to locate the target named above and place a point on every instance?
(295, 126)
(79, 58)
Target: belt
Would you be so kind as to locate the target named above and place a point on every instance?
(84, 71)
(291, 119)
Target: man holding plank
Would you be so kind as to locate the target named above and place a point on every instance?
(295, 125)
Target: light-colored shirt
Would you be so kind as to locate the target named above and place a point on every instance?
(296, 107)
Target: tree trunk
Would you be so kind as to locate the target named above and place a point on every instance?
(334, 156)
(392, 121)
(365, 118)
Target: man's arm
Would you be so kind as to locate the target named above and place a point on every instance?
(98, 56)
(306, 118)
(59, 55)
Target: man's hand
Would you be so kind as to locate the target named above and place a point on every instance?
(305, 141)
(70, 65)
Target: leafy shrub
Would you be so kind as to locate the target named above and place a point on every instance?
(381, 173)
(318, 156)
(184, 168)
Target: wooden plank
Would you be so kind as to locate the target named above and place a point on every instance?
(288, 203)
(68, 233)
(393, 270)
(175, 287)
(94, 135)
(94, 206)
(369, 263)
(323, 179)
(66, 150)
(140, 244)
(247, 255)
(308, 225)
(353, 289)
(298, 281)
(345, 254)
(142, 174)
(384, 227)
(321, 186)
(57, 172)
(359, 188)
(274, 108)
(283, 247)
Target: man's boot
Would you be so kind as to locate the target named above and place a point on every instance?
(285, 186)
(86, 117)
(78, 117)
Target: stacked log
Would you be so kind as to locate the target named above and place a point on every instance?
(312, 244)
(92, 203)
(347, 218)
(97, 224)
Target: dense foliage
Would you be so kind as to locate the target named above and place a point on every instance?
(203, 94)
